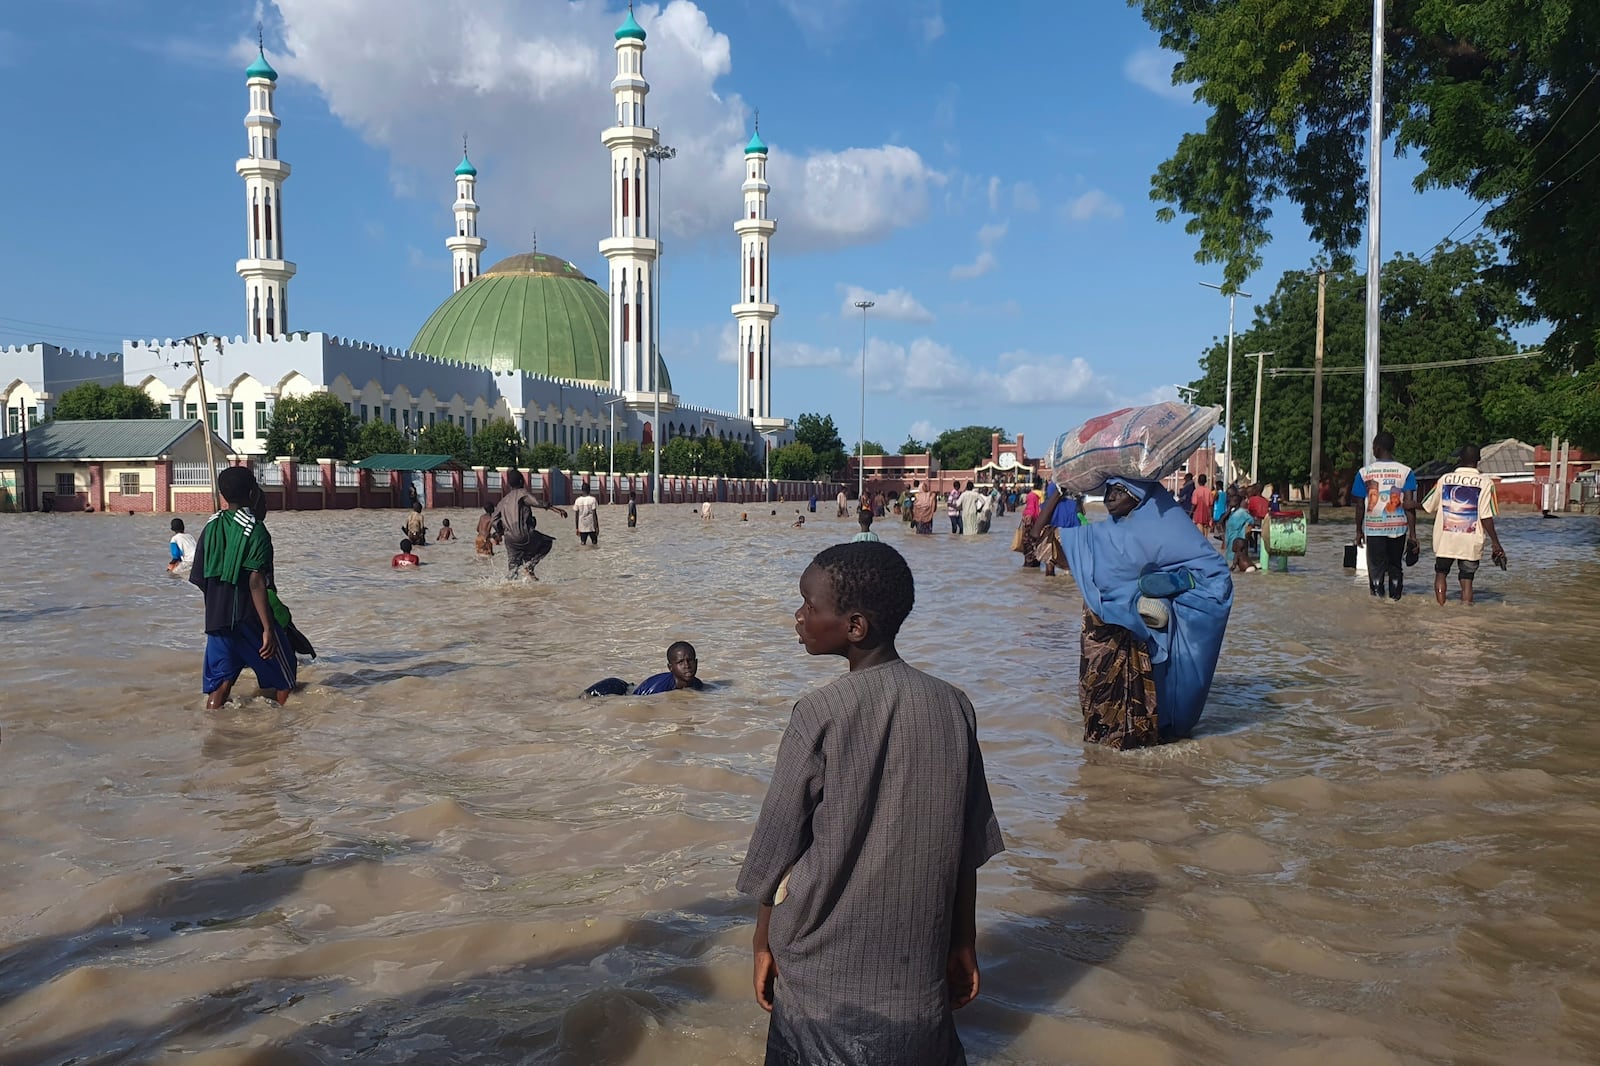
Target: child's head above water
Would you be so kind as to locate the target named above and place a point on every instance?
(177, 525)
(444, 523)
(405, 547)
(682, 662)
(865, 579)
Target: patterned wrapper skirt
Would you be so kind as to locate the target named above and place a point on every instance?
(1116, 687)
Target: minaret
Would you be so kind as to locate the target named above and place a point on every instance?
(755, 310)
(631, 249)
(265, 272)
(466, 247)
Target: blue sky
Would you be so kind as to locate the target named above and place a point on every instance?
(980, 169)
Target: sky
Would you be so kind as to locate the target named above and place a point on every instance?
(979, 170)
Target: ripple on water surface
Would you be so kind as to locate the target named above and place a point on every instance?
(1378, 849)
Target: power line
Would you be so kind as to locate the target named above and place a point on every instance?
(1394, 368)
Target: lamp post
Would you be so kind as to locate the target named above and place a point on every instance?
(1227, 405)
(1255, 423)
(659, 153)
(1369, 407)
(611, 435)
(861, 444)
(767, 494)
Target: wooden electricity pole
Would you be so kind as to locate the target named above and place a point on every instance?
(205, 421)
(1316, 401)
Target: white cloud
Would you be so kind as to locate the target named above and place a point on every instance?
(994, 194)
(933, 27)
(1021, 379)
(896, 305)
(800, 355)
(989, 235)
(529, 80)
(1151, 68)
(923, 430)
(1092, 204)
(1024, 197)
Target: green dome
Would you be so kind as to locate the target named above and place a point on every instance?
(630, 28)
(532, 312)
(465, 169)
(261, 68)
(756, 146)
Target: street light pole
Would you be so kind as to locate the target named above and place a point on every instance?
(611, 436)
(767, 494)
(1227, 404)
(1255, 423)
(659, 153)
(861, 444)
(1374, 219)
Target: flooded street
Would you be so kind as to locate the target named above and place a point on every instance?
(1378, 849)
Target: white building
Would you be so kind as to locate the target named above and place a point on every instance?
(569, 365)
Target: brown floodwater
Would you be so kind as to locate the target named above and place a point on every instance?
(1378, 849)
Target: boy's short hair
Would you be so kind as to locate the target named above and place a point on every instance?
(872, 578)
(675, 645)
(405, 547)
(864, 517)
(417, 507)
(515, 480)
(488, 508)
(236, 484)
(177, 525)
(444, 522)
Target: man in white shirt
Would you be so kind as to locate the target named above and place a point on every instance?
(1466, 506)
(586, 517)
(1387, 526)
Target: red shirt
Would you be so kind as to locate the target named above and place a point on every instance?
(1204, 499)
(405, 560)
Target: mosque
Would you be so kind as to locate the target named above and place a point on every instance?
(532, 339)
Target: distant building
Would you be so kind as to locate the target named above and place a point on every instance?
(112, 465)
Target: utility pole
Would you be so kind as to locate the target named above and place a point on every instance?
(205, 417)
(27, 496)
(1255, 424)
(1316, 401)
(861, 443)
(1369, 405)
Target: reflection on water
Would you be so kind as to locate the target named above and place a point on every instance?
(1378, 849)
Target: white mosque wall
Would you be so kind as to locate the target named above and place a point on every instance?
(34, 376)
(244, 379)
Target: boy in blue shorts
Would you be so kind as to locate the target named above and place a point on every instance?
(232, 568)
(865, 858)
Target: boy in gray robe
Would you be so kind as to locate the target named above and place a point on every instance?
(866, 854)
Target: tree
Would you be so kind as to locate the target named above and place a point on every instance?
(630, 458)
(498, 444)
(1444, 309)
(681, 455)
(546, 456)
(965, 448)
(377, 438)
(913, 446)
(318, 426)
(445, 438)
(95, 402)
(794, 462)
(870, 447)
(819, 434)
(1491, 95)
(593, 456)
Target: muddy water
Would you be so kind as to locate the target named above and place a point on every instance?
(1379, 850)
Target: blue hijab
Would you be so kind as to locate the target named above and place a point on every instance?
(1108, 558)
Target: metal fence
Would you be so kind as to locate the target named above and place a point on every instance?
(492, 480)
(346, 476)
(308, 475)
(269, 473)
(189, 472)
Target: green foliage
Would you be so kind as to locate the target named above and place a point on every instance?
(1489, 95)
(794, 462)
(95, 402)
(680, 455)
(377, 438)
(819, 434)
(445, 438)
(593, 456)
(311, 427)
(1441, 310)
(870, 447)
(499, 444)
(913, 446)
(632, 459)
(965, 448)
(542, 457)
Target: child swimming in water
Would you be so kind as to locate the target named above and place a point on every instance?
(485, 541)
(445, 532)
(405, 560)
(683, 668)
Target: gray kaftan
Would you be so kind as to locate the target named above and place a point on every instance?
(879, 802)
